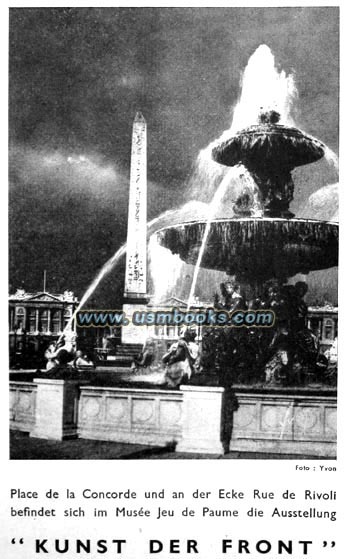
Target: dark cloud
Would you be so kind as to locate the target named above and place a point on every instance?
(77, 77)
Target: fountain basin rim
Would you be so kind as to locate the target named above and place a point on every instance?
(246, 220)
(272, 129)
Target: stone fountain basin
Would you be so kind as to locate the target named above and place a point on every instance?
(256, 248)
(271, 145)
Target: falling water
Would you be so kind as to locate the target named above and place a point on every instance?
(331, 158)
(233, 176)
(213, 208)
(323, 204)
(264, 88)
(110, 264)
(165, 269)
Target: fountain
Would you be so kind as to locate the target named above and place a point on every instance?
(260, 245)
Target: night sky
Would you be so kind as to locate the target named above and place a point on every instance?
(77, 78)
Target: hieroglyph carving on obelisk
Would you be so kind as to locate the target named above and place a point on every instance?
(135, 280)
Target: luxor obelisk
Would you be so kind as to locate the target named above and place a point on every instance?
(135, 294)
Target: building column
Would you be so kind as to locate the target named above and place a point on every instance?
(11, 319)
(61, 317)
(74, 321)
(37, 320)
(49, 318)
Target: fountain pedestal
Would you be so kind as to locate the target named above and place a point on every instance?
(56, 409)
(201, 420)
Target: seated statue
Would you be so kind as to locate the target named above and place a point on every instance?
(59, 355)
(300, 308)
(146, 357)
(82, 361)
(181, 358)
(231, 297)
(50, 356)
(276, 368)
(280, 353)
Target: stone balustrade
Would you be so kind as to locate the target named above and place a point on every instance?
(283, 423)
(198, 419)
(22, 405)
(131, 415)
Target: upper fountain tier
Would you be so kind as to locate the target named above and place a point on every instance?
(270, 151)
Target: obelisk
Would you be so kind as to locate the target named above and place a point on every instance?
(135, 295)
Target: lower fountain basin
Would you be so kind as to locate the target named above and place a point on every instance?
(256, 248)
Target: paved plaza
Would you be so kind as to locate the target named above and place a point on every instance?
(23, 447)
